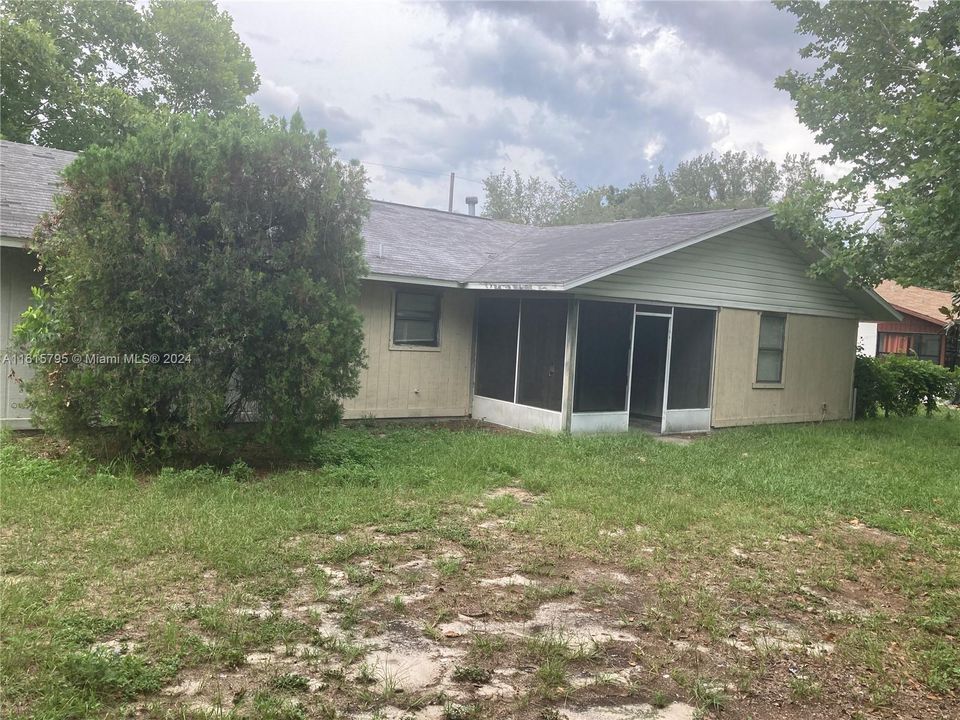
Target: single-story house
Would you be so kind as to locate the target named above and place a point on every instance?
(681, 322)
(920, 333)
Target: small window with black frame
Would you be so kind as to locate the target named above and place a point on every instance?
(416, 319)
(773, 331)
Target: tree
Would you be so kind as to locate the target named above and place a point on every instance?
(82, 72)
(886, 99)
(533, 201)
(199, 273)
(707, 182)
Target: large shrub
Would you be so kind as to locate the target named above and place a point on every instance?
(899, 385)
(198, 274)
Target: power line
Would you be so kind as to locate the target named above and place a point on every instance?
(415, 171)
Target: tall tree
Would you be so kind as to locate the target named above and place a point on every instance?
(217, 263)
(885, 98)
(83, 72)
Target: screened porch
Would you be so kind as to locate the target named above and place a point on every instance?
(555, 364)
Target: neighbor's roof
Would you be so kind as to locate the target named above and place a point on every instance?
(916, 301)
(29, 176)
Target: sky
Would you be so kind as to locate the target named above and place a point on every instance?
(600, 93)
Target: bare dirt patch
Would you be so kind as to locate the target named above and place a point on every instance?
(490, 625)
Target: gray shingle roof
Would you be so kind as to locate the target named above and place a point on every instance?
(562, 255)
(422, 243)
(411, 242)
(29, 176)
(416, 242)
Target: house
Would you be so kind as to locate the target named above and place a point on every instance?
(921, 331)
(682, 322)
(29, 177)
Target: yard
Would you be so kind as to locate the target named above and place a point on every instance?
(769, 572)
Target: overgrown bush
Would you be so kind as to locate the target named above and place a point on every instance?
(198, 274)
(899, 385)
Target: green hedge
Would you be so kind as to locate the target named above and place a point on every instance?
(899, 385)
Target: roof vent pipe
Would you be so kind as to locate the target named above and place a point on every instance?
(471, 204)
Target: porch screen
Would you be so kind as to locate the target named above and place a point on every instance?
(691, 359)
(603, 357)
(543, 331)
(497, 348)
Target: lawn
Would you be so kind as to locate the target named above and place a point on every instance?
(453, 573)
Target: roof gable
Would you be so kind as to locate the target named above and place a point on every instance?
(747, 268)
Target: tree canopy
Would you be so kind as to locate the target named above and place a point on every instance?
(707, 182)
(885, 98)
(82, 72)
(200, 272)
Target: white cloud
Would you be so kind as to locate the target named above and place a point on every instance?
(653, 148)
(600, 94)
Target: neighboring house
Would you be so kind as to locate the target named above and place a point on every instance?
(921, 331)
(686, 322)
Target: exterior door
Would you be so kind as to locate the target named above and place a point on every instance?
(686, 406)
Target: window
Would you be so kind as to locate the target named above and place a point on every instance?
(416, 319)
(770, 350)
(925, 346)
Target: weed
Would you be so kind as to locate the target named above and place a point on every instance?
(472, 674)
(542, 593)
(104, 674)
(486, 646)
(291, 681)
(803, 688)
(454, 711)
(449, 566)
(708, 694)
(271, 707)
(358, 575)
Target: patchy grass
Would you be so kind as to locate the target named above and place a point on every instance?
(730, 561)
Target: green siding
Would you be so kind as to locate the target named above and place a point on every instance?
(748, 268)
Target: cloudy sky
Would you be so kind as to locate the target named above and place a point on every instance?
(598, 92)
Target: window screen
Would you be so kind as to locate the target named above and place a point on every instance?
(603, 356)
(543, 332)
(496, 348)
(691, 358)
(770, 352)
(416, 319)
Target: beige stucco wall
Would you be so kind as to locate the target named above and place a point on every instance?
(414, 382)
(818, 368)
